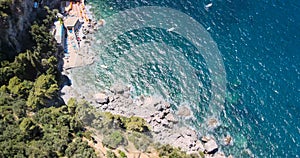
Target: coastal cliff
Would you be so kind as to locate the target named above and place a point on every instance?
(16, 17)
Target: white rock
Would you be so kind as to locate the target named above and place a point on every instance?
(104, 107)
(161, 115)
(219, 155)
(199, 146)
(159, 107)
(164, 122)
(211, 146)
(171, 118)
(101, 98)
(206, 138)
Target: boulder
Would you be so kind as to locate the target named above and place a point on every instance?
(159, 107)
(199, 146)
(161, 115)
(165, 123)
(156, 129)
(111, 108)
(104, 107)
(166, 111)
(111, 98)
(171, 118)
(101, 98)
(156, 119)
(187, 132)
(211, 146)
(167, 105)
(126, 95)
(151, 101)
(219, 155)
(205, 139)
(118, 89)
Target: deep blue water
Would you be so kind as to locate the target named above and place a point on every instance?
(260, 45)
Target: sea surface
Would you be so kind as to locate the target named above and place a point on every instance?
(238, 62)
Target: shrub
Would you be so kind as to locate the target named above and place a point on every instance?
(122, 154)
(140, 141)
(110, 154)
(201, 154)
(135, 124)
(113, 140)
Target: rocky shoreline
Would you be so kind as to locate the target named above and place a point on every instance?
(164, 122)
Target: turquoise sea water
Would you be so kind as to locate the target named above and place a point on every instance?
(259, 45)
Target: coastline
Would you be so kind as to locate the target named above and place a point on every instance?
(165, 124)
(78, 44)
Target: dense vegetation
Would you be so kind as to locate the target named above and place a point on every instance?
(33, 121)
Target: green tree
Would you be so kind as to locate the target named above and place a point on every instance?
(113, 140)
(72, 103)
(45, 89)
(79, 148)
(19, 88)
(136, 124)
(29, 127)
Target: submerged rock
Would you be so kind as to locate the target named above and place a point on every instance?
(227, 140)
(184, 111)
(213, 123)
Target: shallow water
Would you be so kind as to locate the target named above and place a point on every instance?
(257, 47)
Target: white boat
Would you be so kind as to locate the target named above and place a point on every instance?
(104, 66)
(208, 5)
(171, 29)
